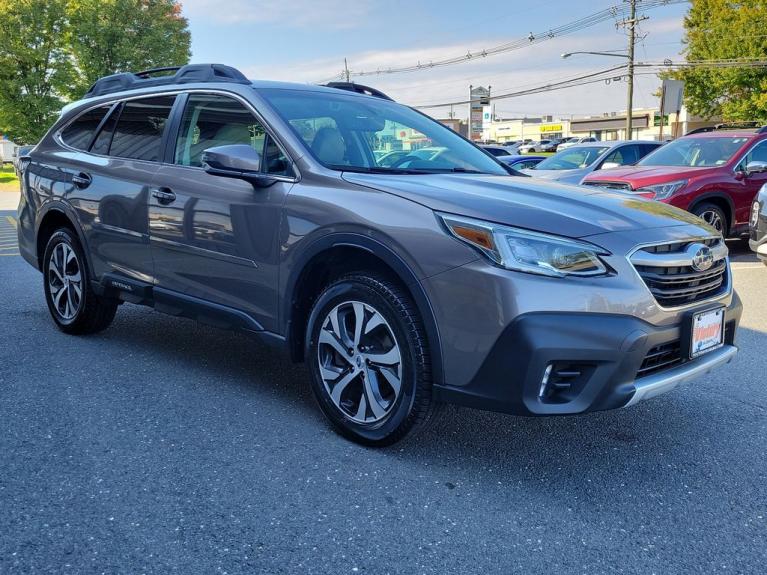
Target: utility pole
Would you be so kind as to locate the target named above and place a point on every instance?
(630, 24)
(346, 71)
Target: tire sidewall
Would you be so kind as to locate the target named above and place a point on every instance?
(59, 237)
(350, 290)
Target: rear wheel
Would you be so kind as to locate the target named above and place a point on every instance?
(370, 364)
(713, 215)
(74, 306)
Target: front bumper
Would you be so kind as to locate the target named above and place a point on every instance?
(605, 351)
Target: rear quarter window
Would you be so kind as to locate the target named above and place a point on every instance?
(79, 133)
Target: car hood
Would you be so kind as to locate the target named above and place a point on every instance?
(567, 176)
(644, 175)
(538, 205)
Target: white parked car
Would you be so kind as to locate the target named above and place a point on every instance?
(542, 146)
(570, 142)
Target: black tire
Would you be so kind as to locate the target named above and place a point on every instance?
(714, 216)
(90, 313)
(412, 406)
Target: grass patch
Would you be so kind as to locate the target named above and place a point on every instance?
(8, 180)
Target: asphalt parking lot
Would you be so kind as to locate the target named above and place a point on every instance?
(164, 446)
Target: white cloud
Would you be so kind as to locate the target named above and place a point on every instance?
(525, 68)
(333, 14)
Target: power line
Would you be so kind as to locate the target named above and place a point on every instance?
(613, 12)
(651, 68)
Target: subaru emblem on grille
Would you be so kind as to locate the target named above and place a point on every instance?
(703, 259)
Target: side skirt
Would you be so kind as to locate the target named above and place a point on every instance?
(182, 305)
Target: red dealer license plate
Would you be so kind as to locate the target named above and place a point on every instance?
(707, 331)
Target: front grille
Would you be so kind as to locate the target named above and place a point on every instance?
(610, 185)
(661, 357)
(668, 273)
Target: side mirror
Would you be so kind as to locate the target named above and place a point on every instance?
(756, 168)
(236, 161)
(608, 165)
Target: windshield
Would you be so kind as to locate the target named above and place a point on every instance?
(349, 133)
(572, 158)
(694, 152)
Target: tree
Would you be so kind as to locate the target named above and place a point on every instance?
(52, 50)
(108, 36)
(35, 66)
(725, 29)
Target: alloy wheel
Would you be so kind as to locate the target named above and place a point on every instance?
(713, 219)
(360, 362)
(65, 281)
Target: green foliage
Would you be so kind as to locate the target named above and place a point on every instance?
(52, 50)
(724, 29)
(120, 35)
(35, 67)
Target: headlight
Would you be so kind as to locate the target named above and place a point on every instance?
(662, 191)
(754, 214)
(526, 251)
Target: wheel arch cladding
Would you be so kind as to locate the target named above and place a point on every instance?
(333, 256)
(53, 219)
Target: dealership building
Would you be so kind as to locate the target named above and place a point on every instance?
(646, 125)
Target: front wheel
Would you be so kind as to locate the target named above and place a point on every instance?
(369, 360)
(73, 304)
(713, 216)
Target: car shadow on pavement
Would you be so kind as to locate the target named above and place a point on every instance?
(681, 426)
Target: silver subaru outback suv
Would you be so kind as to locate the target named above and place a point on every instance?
(405, 265)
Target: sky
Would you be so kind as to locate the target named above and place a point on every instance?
(306, 41)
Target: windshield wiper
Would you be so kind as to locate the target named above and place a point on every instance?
(377, 170)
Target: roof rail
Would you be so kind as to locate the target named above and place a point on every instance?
(730, 126)
(191, 73)
(359, 89)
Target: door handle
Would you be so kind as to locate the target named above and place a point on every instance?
(81, 180)
(164, 195)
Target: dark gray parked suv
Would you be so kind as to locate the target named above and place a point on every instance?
(436, 278)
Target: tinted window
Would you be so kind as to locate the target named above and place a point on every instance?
(211, 121)
(79, 133)
(645, 149)
(139, 129)
(497, 152)
(104, 138)
(623, 156)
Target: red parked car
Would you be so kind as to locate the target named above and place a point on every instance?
(714, 175)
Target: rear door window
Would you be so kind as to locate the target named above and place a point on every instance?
(139, 130)
(79, 134)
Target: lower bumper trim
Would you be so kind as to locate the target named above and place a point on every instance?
(653, 385)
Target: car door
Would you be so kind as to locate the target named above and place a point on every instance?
(216, 238)
(107, 180)
(745, 189)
